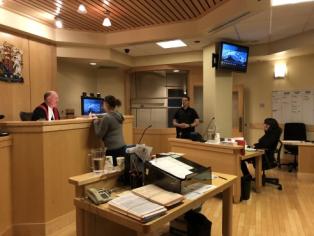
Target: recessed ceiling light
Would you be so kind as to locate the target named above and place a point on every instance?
(286, 2)
(82, 9)
(172, 44)
(106, 2)
(59, 23)
(176, 71)
(93, 63)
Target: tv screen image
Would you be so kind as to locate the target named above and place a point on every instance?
(233, 57)
(91, 105)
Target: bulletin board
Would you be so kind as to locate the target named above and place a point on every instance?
(293, 106)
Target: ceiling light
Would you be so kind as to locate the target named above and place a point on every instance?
(176, 71)
(172, 44)
(1, 2)
(93, 63)
(82, 9)
(59, 23)
(106, 2)
(286, 2)
(106, 22)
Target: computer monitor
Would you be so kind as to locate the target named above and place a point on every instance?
(91, 105)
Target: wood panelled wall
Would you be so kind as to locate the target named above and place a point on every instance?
(39, 70)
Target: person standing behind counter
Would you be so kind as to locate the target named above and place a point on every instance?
(48, 109)
(109, 129)
(186, 119)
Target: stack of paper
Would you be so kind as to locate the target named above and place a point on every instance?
(137, 207)
(172, 166)
(158, 195)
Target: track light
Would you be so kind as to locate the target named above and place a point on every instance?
(106, 22)
(59, 23)
(82, 9)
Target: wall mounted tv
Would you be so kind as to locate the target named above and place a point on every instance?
(91, 105)
(233, 57)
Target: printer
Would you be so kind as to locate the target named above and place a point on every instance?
(173, 174)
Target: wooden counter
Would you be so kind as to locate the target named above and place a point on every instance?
(156, 138)
(221, 158)
(5, 186)
(44, 155)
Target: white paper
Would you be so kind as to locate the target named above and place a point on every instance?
(172, 166)
(195, 190)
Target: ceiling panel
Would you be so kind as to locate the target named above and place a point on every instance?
(124, 14)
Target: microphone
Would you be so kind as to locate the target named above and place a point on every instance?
(207, 127)
(144, 131)
(1, 116)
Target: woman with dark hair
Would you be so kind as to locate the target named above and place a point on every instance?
(109, 128)
(268, 142)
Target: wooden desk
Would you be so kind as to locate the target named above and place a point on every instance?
(44, 155)
(100, 220)
(5, 186)
(305, 158)
(221, 158)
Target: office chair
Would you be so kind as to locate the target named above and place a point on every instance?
(293, 131)
(269, 162)
(278, 153)
(26, 116)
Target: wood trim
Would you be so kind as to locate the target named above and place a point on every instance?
(7, 232)
(5, 141)
(204, 146)
(153, 131)
(90, 178)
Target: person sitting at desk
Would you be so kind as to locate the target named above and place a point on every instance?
(185, 119)
(268, 142)
(48, 109)
(109, 129)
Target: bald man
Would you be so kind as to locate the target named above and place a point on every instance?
(48, 109)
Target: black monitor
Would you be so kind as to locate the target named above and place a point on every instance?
(91, 105)
(233, 57)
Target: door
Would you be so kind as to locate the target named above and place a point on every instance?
(238, 111)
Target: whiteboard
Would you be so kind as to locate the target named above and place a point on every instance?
(293, 106)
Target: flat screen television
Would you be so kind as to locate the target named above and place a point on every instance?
(91, 105)
(233, 57)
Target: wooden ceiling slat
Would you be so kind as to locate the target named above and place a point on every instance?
(185, 8)
(141, 5)
(135, 10)
(189, 7)
(155, 8)
(152, 11)
(177, 6)
(199, 6)
(174, 11)
(205, 4)
(164, 8)
(66, 20)
(124, 14)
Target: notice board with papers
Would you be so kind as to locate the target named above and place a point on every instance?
(293, 106)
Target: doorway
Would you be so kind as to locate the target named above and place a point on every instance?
(238, 111)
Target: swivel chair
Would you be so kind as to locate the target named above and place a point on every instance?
(293, 131)
(269, 162)
(26, 116)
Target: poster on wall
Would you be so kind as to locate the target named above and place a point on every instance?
(11, 63)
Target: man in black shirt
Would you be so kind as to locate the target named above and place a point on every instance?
(186, 119)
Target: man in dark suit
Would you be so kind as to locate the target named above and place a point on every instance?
(48, 109)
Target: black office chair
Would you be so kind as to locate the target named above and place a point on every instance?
(26, 116)
(269, 162)
(293, 131)
(278, 153)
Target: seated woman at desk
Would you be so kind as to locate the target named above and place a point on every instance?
(268, 142)
(109, 129)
